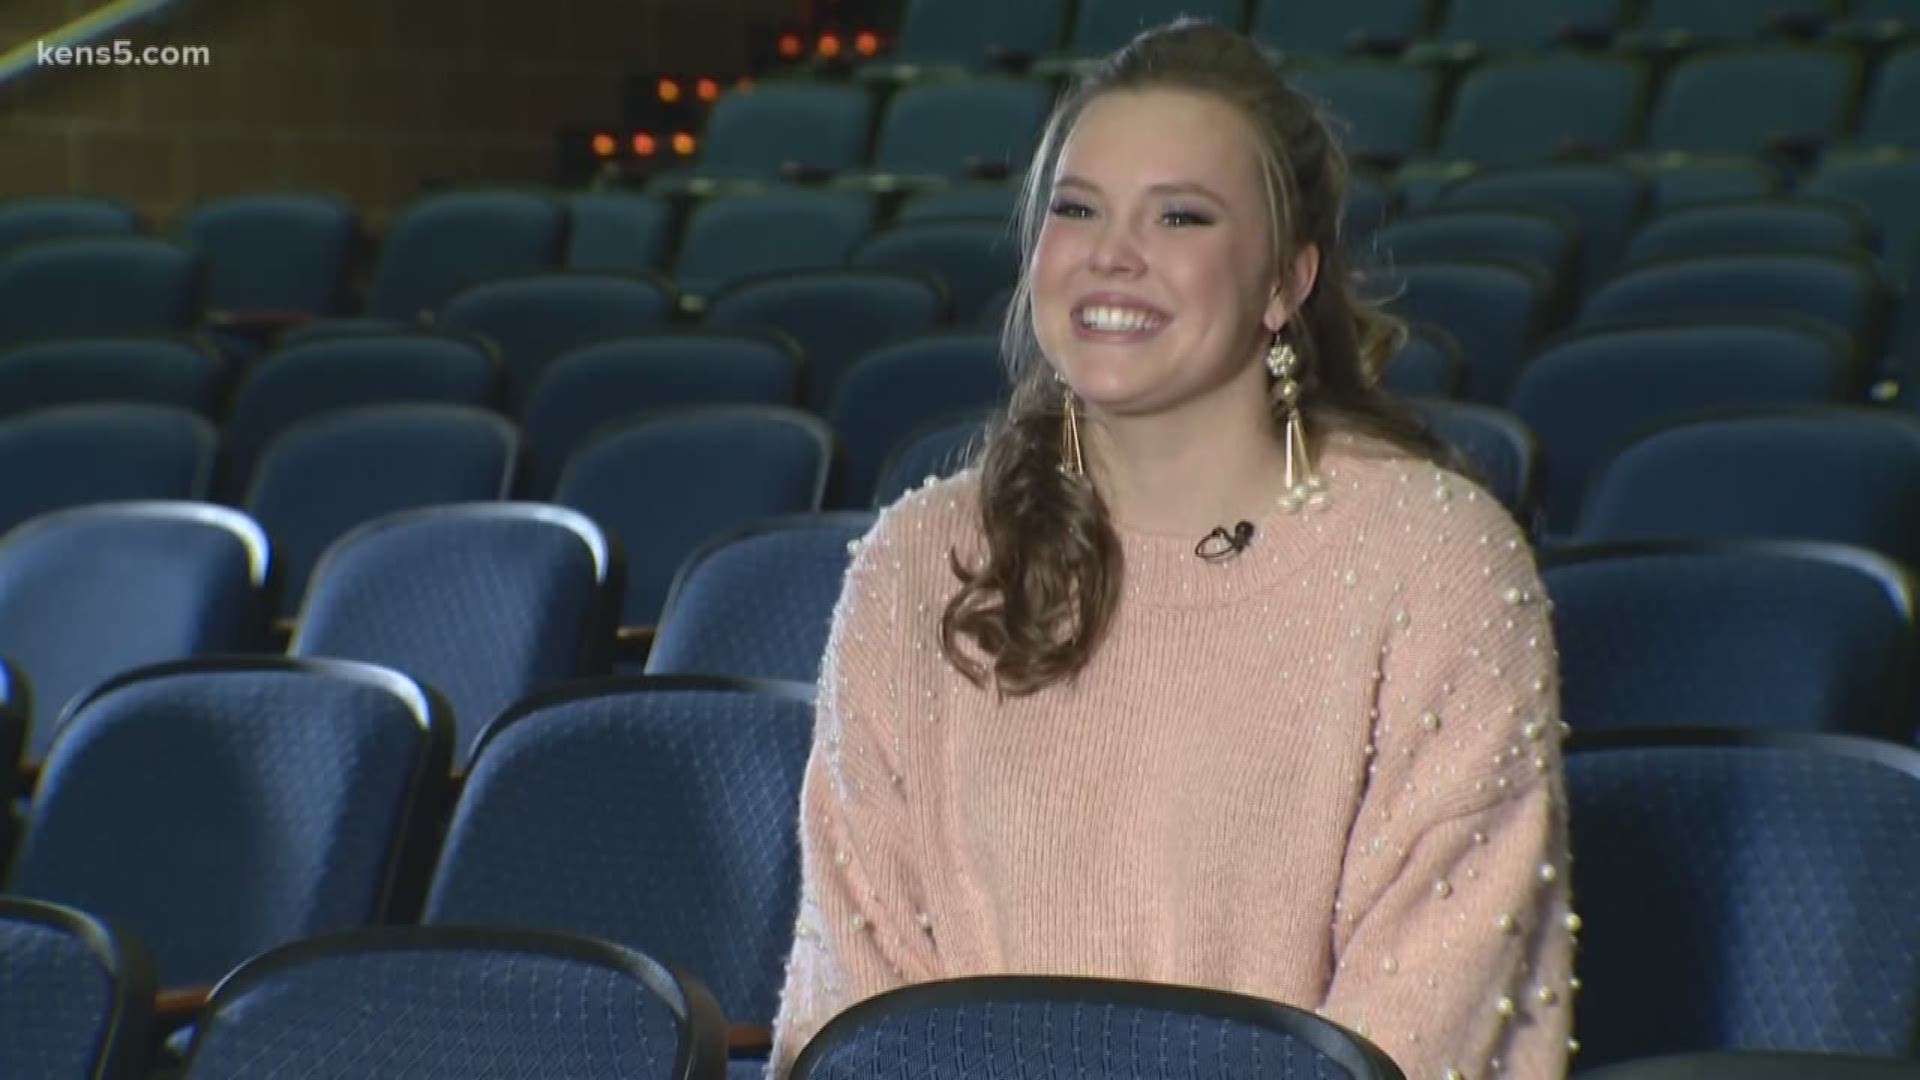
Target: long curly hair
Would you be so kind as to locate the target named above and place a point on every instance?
(1039, 605)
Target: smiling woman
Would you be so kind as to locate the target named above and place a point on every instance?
(1181, 224)
(1314, 758)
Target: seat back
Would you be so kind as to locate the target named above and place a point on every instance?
(757, 132)
(617, 232)
(99, 286)
(1878, 186)
(1853, 476)
(445, 242)
(182, 373)
(1715, 20)
(896, 389)
(1843, 293)
(329, 475)
(1385, 110)
(80, 995)
(89, 592)
(28, 219)
(16, 704)
(1607, 199)
(974, 258)
(700, 779)
(1500, 24)
(1546, 241)
(758, 602)
(485, 602)
(665, 484)
(312, 378)
(1101, 26)
(1745, 100)
(1528, 109)
(836, 316)
(1494, 310)
(599, 385)
(79, 455)
(1368, 205)
(1589, 394)
(1427, 365)
(1333, 28)
(963, 34)
(990, 200)
(1496, 445)
(1747, 634)
(533, 318)
(952, 128)
(1754, 225)
(275, 252)
(217, 808)
(1680, 180)
(731, 238)
(1052, 1028)
(1888, 116)
(937, 450)
(442, 1003)
(1745, 891)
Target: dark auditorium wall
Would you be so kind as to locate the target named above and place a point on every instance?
(21, 20)
(367, 98)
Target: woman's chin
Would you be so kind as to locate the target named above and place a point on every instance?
(1105, 382)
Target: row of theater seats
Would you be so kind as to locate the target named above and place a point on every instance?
(1519, 108)
(289, 255)
(939, 35)
(489, 602)
(1502, 261)
(247, 822)
(644, 498)
(659, 480)
(323, 434)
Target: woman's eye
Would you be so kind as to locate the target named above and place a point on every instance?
(1068, 209)
(1186, 218)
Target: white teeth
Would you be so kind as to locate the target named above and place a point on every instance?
(1117, 319)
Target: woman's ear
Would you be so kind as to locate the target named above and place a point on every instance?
(1290, 294)
(1306, 271)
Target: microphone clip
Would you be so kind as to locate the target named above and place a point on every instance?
(1221, 544)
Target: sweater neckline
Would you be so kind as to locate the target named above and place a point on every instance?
(1164, 571)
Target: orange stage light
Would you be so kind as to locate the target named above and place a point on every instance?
(683, 143)
(644, 144)
(707, 89)
(669, 90)
(829, 46)
(791, 45)
(866, 43)
(604, 144)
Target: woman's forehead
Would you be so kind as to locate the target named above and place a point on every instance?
(1149, 138)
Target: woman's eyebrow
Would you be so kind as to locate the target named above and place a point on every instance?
(1185, 187)
(1166, 187)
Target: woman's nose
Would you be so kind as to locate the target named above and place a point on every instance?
(1117, 251)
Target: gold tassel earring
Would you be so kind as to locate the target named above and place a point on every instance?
(1072, 465)
(1303, 484)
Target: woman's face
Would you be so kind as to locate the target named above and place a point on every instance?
(1154, 281)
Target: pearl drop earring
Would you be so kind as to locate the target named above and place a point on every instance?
(1304, 485)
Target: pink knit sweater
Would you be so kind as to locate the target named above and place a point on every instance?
(1325, 772)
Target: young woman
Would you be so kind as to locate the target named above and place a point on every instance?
(1209, 672)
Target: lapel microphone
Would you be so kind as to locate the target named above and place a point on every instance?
(1221, 544)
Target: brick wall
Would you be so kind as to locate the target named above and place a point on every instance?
(366, 98)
